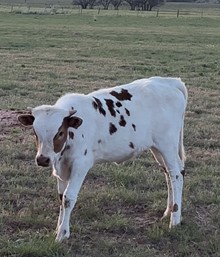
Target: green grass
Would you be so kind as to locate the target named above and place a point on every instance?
(119, 207)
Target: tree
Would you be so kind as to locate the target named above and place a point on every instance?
(92, 3)
(151, 3)
(105, 3)
(147, 5)
(83, 3)
(117, 3)
(144, 5)
(132, 3)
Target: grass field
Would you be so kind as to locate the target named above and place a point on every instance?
(119, 207)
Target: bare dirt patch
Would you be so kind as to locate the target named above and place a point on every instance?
(8, 120)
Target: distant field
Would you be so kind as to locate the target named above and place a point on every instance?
(119, 207)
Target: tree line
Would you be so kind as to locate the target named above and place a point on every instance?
(144, 5)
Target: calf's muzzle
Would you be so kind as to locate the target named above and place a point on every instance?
(42, 161)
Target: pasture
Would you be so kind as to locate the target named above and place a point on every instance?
(119, 207)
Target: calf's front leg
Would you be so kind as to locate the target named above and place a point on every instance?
(69, 199)
(61, 186)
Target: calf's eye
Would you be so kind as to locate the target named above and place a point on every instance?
(60, 134)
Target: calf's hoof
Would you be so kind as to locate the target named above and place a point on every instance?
(62, 234)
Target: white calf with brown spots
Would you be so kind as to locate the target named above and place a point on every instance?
(112, 124)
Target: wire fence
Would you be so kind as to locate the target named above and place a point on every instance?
(170, 10)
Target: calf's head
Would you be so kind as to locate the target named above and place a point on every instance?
(50, 125)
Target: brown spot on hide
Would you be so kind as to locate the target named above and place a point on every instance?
(62, 153)
(134, 127)
(122, 121)
(127, 111)
(131, 145)
(175, 208)
(112, 128)
(82, 136)
(118, 104)
(183, 173)
(71, 134)
(67, 203)
(60, 197)
(67, 147)
(118, 111)
(111, 107)
(177, 176)
(85, 153)
(61, 136)
(99, 141)
(163, 169)
(122, 96)
(97, 104)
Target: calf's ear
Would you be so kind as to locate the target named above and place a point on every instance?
(74, 122)
(26, 119)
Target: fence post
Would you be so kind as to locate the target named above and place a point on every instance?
(12, 8)
(157, 13)
(99, 11)
(178, 13)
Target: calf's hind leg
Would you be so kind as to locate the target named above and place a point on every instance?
(174, 167)
(159, 158)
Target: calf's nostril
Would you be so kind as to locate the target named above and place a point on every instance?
(43, 161)
(47, 161)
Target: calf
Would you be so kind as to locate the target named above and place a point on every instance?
(112, 124)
